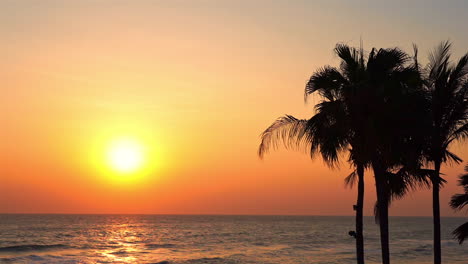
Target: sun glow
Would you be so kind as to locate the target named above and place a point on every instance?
(125, 156)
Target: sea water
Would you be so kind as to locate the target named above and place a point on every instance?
(215, 239)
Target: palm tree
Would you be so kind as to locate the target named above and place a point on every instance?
(447, 87)
(392, 118)
(328, 132)
(458, 202)
(361, 111)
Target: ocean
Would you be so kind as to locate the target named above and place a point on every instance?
(174, 239)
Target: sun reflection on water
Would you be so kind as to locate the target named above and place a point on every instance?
(124, 243)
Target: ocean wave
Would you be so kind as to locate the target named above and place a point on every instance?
(30, 247)
(155, 246)
(213, 260)
(120, 252)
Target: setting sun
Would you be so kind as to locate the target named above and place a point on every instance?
(125, 156)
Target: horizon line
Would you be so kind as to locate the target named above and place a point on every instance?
(172, 214)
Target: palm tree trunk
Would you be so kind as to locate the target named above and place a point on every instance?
(436, 213)
(382, 207)
(359, 217)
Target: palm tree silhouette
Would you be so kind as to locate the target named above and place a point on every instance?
(361, 110)
(328, 132)
(447, 87)
(458, 202)
(384, 111)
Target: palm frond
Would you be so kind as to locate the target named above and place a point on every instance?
(328, 131)
(459, 73)
(327, 81)
(404, 181)
(398, 186)
(454, 115)
(349, 55)
(415, 57)
(463, 181)
(459, 201)
(438, 59)
(461, 233)
(287, 130)
(350, 61)
(351, 179)
(461, 133)
(448, 89)
(386, 60)
(451, 157)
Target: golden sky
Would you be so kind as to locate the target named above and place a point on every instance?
(195, 83)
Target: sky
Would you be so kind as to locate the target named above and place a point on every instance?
(194, 83)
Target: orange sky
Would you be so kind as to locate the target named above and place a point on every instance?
(196, 84)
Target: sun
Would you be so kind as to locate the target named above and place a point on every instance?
(125, 156)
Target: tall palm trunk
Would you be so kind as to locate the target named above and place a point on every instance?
(382, 207)
(359, 216)
(436, 213)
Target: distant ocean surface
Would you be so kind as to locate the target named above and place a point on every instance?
(169, 239)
